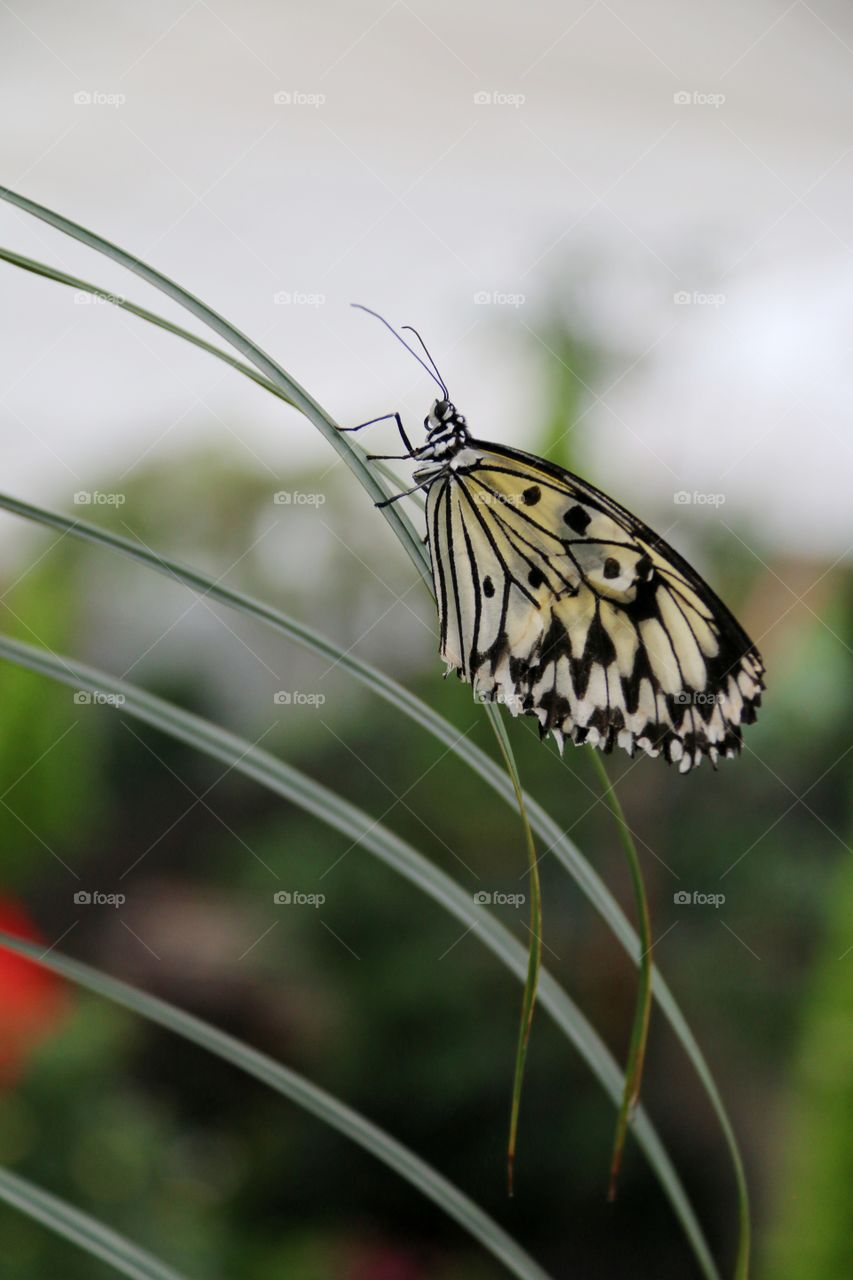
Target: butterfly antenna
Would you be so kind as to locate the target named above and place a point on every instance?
(411, 329)
(433, 373)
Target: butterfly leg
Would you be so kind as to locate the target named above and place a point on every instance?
(398, 496)
(386, 417)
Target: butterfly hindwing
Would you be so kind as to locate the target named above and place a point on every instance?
(557, 601)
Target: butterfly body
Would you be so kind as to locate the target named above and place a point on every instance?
(556, 601)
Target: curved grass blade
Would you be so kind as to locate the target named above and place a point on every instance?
(553, 838)
(309, 1096)
(643, 1007)
(534, 957)
(84, 286)
(72, 1223)
(295, 394)
(285, 781)
(37, 268)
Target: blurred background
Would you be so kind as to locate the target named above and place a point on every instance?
(624, 232)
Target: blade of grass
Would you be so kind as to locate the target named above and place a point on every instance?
(295, 394)
(76, 1226)
(534, 958)
(553, 838)
(643, 1007)
(296, 1088)
(285, 781)
(85, 286)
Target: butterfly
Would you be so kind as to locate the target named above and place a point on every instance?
(559, 603)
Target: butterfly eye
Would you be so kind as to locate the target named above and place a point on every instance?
(440, 409)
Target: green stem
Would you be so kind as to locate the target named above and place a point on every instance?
(643, 1007)
(534, 956)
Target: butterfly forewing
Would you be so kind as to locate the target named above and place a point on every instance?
(560, 603)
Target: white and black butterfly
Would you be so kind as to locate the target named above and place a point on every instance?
(556, 601)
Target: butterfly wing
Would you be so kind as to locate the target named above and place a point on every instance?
(558, 602)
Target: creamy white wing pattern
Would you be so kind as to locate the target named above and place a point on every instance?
(556, 601)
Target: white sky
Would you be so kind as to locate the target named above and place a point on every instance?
(402, 191)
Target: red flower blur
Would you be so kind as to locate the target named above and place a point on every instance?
(32, 999)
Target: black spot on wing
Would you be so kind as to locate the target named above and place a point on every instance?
(578, 519)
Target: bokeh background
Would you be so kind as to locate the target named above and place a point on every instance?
(624, 231)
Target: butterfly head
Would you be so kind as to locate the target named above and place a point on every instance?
(447, 430)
